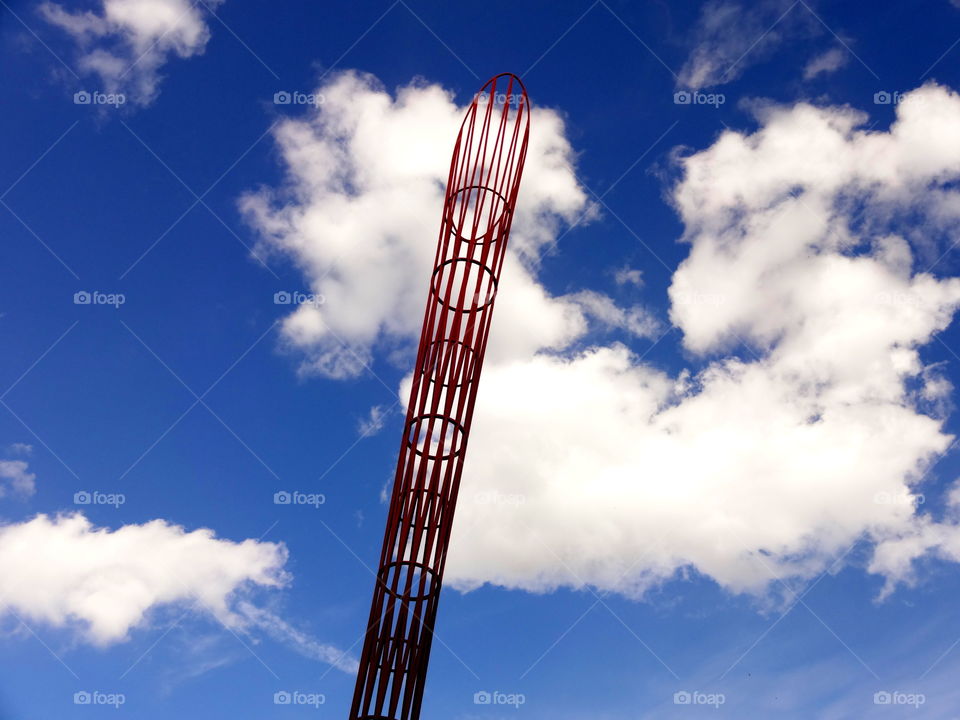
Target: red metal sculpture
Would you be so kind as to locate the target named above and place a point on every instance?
(477, 213)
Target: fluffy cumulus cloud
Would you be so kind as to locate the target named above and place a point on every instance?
(361, 211)
(125, 43)
(65, 572)
(807, 420)
(766, 464)
(102, 584)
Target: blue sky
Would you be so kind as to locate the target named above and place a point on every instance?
(198, 398)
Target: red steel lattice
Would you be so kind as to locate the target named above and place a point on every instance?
(478, 211)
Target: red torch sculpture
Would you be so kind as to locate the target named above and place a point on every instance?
(475, 223)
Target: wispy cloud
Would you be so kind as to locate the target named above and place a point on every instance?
(730, 36)
(283, 632)
(126, 43)
(374, 421)
(18, 478)
(826, 63)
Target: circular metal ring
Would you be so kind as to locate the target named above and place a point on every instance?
(422, 421)
(419, 568)
(486, 233)
(475, 307)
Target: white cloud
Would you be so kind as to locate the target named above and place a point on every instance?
(360, 213)
(628, 476)
(591, 467)
(896, 557)
(629, 276)
(20, 449)
(102, 584)
(281, 631)
(748, 469)
(826, 63)
(731, 36)
(19, 479)
(635, 320)
(65, 572)
(127, 42)
(374, 421)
